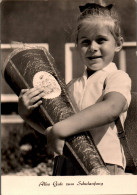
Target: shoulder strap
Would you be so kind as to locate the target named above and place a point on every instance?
(131, 162)
(131, 167)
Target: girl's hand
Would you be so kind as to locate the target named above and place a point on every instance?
(53, 142)
(29, 99)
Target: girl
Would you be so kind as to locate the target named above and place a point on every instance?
(102, 94)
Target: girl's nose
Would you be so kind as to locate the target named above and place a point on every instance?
(93, 46)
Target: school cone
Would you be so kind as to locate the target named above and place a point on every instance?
(29, 67)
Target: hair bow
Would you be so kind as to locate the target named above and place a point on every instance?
(94, 5)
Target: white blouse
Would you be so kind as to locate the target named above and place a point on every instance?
(85, 92)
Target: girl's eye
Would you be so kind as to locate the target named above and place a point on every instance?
(85, 43)
(101, 40)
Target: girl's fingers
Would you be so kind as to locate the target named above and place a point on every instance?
(31, 98)
(47, 130)
(57, 150)
(23, 91)
(35, 105)
(32, 95)
(34, 92)
(36, 98)
(27, 91)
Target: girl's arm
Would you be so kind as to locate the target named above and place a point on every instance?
(30, 99)
(96, 115)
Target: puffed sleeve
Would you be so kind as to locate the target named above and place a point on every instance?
(120, 82)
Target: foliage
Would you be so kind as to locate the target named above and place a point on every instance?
(24, 151)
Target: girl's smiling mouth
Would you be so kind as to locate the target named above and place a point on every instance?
(93, 57)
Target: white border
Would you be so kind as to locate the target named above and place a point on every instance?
(31, 185)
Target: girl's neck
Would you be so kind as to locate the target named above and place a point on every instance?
(90, 72)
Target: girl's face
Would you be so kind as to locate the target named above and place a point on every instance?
(96, 44)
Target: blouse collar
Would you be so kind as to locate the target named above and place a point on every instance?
(109, 68)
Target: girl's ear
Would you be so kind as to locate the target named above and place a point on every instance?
(119, 44)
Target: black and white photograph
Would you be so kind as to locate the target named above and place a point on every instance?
(68, 97)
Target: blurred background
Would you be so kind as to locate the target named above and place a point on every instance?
(51, 24)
